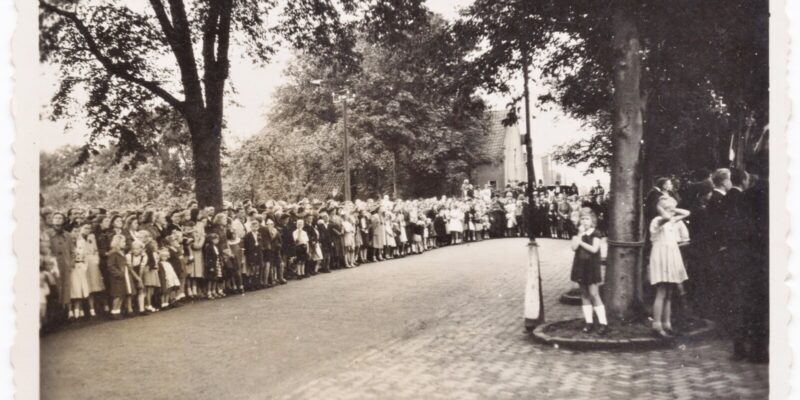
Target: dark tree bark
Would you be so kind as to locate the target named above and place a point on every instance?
(623, 283)
(203, 111)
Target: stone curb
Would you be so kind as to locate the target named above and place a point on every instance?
(627, 344)
(571, 298)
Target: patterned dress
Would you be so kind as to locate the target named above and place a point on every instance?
(666, 262)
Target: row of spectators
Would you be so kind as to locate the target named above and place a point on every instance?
(122, 263)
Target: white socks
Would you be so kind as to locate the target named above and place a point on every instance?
(587, 313)
(601, 315)
(599, 310)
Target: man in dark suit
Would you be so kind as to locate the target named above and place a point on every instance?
(721, 179)
(742, 273)
(756, 306)
(325, 242)
(268, 279)
(254, 252)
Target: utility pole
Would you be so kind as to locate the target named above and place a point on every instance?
(346, 154)
(346, 150)
(394, 175)
(534, 301)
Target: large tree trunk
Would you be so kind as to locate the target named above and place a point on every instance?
(206, 146)
(623, 282)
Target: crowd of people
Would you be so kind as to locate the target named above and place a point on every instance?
(708, 248)
(123, 263)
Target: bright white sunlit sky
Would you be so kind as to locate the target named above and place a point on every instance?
(255, 86)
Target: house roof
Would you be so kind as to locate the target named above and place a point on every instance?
(323, 190)
(492, 144)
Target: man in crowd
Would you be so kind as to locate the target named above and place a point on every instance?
(743, 268)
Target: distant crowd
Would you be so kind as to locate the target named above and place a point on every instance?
(124, 263)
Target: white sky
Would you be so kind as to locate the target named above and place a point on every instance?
(255, 86)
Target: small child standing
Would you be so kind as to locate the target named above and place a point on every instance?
(120, 277)
(666, 264)
(170, 283)
(137, 262)
(587, 271)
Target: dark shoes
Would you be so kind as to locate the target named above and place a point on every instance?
(661, 334)
(601, 330)
(673, 332)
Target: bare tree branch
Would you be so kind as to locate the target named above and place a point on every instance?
(113, 68)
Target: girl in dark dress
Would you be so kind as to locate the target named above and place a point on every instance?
(214, 263)
(120, 276)
(586, 270)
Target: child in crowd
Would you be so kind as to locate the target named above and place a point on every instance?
(137, 262)
(170, 283)
(177, 260)
(301, 247)
(213, 262)
(587, 272)
(666, 263)
(150, 278)
(120, 276)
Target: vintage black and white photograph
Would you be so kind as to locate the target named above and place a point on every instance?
(405, 199)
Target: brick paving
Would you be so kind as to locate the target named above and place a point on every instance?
(480, 351)
(443, 325)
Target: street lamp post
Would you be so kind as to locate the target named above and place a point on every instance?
(534, 301)
(346, 150)
(346, 153)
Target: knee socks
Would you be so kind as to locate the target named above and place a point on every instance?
(587, 313)
(601, 315)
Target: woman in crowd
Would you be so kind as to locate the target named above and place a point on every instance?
(79, 278)
(86, 250)
(378, 237)
(666, 263)
(349, 241)
(196, 240)
(131, 230)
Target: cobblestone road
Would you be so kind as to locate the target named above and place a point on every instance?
(443, 325)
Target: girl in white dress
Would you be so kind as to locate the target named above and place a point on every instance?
(171, 281)
(666, 264)
(511, 218)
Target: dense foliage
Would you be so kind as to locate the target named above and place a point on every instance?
(409, 113)
(103, 181)
(705, 72)
(132, 58)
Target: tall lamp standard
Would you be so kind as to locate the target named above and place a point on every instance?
(343, 97)
(534, 301)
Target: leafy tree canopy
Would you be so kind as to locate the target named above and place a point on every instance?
(407, 104)
(705, 70)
